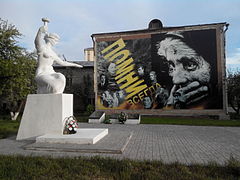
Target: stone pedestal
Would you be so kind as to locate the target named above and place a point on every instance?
(97, 117)
(45, 114)
(83, 136)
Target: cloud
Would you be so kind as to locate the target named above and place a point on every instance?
(234, 58)
(76, 20)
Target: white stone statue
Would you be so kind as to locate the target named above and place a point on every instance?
(49, 81)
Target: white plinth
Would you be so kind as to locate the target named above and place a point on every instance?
(97, 121)
(44, 114)
(128, 121)
(83, 136)
(133, 121)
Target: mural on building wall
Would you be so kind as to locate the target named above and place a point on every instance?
(174, 70)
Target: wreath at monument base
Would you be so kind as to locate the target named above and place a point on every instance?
(122, 117)
(71, 125)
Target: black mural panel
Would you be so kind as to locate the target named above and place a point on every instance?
(174, 70)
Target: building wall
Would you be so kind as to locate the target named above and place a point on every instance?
(79, 82)
(188, 63)
(89, 54)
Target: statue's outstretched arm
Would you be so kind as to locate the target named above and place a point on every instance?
(59, 61)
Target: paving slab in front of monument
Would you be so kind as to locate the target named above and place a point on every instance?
(169, 143)
(114, 143)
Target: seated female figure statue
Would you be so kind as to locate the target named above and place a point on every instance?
(49, 81)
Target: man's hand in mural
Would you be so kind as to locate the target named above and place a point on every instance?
(182, 96)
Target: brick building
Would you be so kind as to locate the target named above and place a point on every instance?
(79, 82)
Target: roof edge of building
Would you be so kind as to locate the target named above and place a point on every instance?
(156, 30)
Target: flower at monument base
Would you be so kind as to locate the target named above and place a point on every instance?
(122, 117)
(70, 125)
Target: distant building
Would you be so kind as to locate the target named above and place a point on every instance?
(89, 54)
(79, 82)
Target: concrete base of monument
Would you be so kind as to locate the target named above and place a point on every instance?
(45, 113)
(83, 136)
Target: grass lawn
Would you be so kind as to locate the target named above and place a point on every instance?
(188, 121)
(8, 128)
(19, 167)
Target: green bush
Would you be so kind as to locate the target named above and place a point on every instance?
(122, 117)
(90, 109)
(107, 121)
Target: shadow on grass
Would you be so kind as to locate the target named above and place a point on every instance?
(13, 167)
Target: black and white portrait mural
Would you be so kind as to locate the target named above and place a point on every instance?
(174, 70)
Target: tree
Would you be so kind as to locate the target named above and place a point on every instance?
(17, 70)
(233, 81)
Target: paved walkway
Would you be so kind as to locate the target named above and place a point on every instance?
(169, 143)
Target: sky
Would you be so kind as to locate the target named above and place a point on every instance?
(76, 20)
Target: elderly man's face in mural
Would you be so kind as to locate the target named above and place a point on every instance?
(189, 71)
